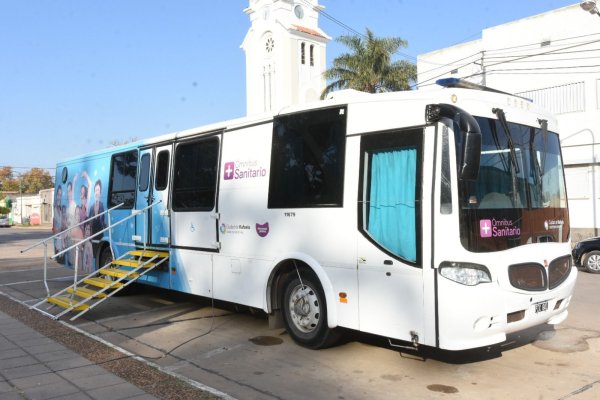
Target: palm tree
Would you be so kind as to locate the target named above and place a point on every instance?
(369, 66)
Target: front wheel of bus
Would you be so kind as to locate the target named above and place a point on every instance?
(591, 262)
(305, 312)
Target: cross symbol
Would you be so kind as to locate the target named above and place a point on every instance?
(229, 170)
(486, 228)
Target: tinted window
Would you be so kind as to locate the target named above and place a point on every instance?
(123, 179)
(162, 170)
(307, 161)
(144, 172)
(195, 176)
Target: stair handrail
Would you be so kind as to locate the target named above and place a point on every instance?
(76, 246)
(133, 214)
(61, 233)
(43, 241)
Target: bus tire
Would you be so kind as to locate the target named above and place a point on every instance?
(305, 312)
(591, 262)
(105, 257)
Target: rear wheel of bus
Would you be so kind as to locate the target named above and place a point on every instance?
(305, 311)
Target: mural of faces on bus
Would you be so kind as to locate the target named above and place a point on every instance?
(79, 212)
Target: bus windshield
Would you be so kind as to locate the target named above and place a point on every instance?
(519, 196)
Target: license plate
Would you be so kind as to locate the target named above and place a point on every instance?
(541, 307)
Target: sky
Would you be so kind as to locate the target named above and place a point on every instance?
(77, 75)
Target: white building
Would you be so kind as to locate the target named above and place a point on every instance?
(285, 54)
(554, 59)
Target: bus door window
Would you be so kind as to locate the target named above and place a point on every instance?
(390, 193)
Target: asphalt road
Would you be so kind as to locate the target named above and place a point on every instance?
(232, 349)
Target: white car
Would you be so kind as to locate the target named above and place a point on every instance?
(4, 221)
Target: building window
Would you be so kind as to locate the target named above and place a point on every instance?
(307, 160)
(312, 55)
(303, 53)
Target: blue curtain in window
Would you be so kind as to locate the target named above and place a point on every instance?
(392, 201)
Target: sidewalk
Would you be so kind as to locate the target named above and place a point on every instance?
(33, 366)
(43, 359)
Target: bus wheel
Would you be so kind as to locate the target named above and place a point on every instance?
(105, 257)
(305, 312)
(591, 262)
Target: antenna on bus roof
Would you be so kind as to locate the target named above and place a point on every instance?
(459, 83)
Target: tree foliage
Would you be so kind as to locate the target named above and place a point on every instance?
(368, 66)
(31, 181)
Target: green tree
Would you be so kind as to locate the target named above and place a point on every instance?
(35, 180)
(368, 66)
(8, 183)
(31, 181)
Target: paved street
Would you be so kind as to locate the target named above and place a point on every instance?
(231, 349)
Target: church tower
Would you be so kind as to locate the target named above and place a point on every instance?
(285, 54)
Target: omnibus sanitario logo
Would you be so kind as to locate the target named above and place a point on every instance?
(243, 170)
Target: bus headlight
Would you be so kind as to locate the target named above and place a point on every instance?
(465, 273)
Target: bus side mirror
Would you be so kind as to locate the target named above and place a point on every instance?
(468, 130)
(471, 151)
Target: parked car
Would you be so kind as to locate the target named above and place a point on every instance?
(587, 254)
(4, 221)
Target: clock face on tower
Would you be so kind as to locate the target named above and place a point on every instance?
(299, 11)
(269, 45)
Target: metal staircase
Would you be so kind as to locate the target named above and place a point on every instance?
(103, 283)
(90, 291)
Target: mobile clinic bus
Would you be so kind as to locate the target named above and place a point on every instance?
(433, 217)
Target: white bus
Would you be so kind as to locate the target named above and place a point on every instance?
(435, 218)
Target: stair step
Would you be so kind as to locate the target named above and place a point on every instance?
(149, 253)
(102, 283)
(85, 293)
(132, 263)
(66, 302)
(118, 273)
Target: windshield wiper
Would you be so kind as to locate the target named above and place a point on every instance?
(513, 154)
(544, 125)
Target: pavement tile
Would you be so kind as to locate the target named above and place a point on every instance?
(116, 392)
(49, 391)
(18, 362)
(144, 396)
(44, 348)
(37, 380)
(7, 346)
(5, 387)
(75, 396)
(76, 361)
(11, 353)
(28, 370)
(12, 396)
(31, 342)
(97, 381)
(22, 336)
(89, 370)
(56, 355)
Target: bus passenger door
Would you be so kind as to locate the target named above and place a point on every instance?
(194, 203)
(153, 188)
(390, 274)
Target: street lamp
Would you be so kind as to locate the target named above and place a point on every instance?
(590, 6)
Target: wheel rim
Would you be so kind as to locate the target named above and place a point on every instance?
(304, 308)
(593, 262)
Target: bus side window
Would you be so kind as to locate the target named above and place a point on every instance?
(195, 176)
(162, 170)
(307, 160)
(123, 173)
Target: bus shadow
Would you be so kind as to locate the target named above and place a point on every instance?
(424, 353)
